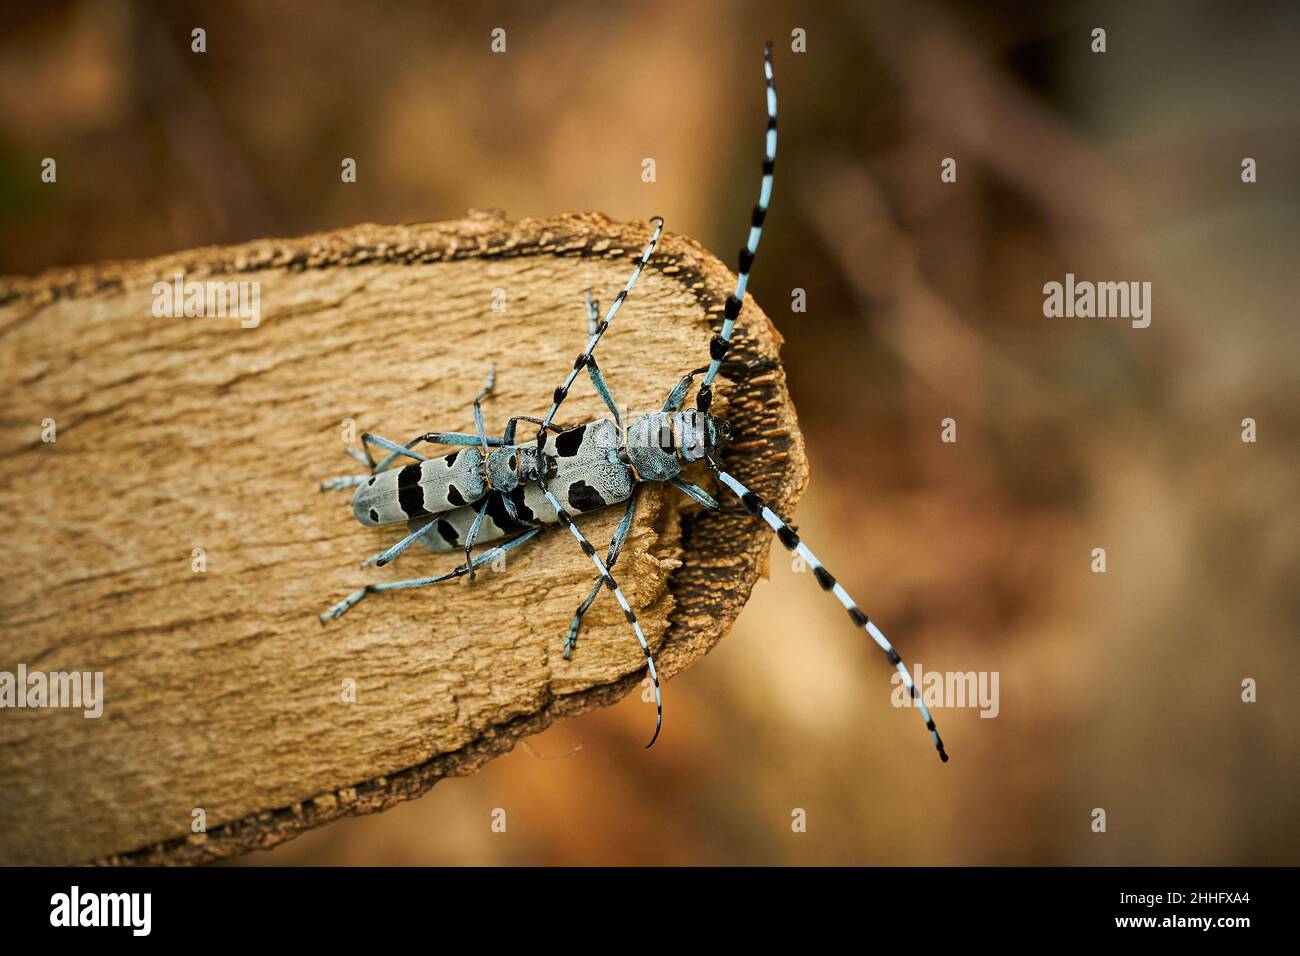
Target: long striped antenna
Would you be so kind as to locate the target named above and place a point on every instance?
(562, 391)
(590, 551)
(721, 342)
(759, 509)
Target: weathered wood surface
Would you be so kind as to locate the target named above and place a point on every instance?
(221, 689)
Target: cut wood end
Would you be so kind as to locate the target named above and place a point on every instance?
(391, 326)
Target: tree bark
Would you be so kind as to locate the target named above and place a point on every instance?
(222, 692)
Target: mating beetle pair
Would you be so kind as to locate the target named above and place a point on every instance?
(493, 488)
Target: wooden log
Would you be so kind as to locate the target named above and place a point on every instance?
(222, 692)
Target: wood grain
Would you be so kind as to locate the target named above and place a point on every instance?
(222, 691)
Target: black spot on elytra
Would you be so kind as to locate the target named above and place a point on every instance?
(521, 507)
(496, 510)
(409, 493)
(584, 497)
(448, 532)
(374, 515)
(566, 443)
(454, 496)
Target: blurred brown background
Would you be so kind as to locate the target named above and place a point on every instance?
(1120, 691)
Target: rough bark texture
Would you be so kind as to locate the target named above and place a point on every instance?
(222, 691)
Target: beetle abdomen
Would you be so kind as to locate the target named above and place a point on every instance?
(421, 488)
